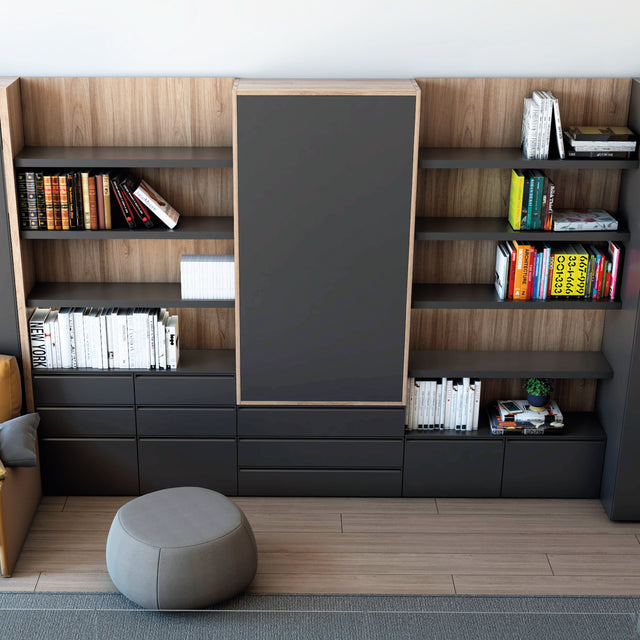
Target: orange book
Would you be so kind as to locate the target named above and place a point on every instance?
(57, 211)
(521, 276)
(64, 202)
(48, 202)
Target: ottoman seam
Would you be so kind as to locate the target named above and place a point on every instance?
(182, 546)
(158, 579)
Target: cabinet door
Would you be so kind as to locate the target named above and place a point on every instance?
(324, 217)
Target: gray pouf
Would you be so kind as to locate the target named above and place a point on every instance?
(180, 548)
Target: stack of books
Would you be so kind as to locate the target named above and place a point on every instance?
(537, 271)
(445, 403)
(600, 142)
(82, 200)
(207, 277)
(540, 125)
(104, 338)
(516, 416)
(531, 199)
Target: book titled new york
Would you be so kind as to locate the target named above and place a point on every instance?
(37, 336)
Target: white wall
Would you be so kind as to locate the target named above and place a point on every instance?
(321, 38)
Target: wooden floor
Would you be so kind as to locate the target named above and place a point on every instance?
(371, 545)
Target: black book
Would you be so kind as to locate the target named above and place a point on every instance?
(42, 212)
(140, 211)
(603, 134)
(123, 204)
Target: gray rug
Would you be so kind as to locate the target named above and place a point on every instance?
(89, 616)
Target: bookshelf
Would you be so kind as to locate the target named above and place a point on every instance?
(177, 133)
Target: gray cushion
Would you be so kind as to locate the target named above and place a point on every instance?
(18, 441)
(180, 548)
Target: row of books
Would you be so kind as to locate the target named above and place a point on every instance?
(541, 125)
(86, 200)
(531, 198)
(538, 271)
(104, 338)
(517, 416)
(207, 277)
(445, 403)
(600, 142)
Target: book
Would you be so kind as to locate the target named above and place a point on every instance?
(106, 200)
(503, 260)
(100, 201)
(37, 338)
(23, 208)
(86, 201)
(528, 202)
(521, 275)
(156, 204)
(544, 123)
(596, 133)
(549, 210)
(524, 412)
(93, 204)
(139, 210)
(122, 203)
(172, 342)
(64, 201)
(515, 198)
(584, 220)
(556, 126)
(614, 250)
(577, 268)
(536, 206)
(48, 201)
(40, 205)
(559, 277)
(597, 145)
(530, 128)
(72, 204)
(32, 203)
(619, 155)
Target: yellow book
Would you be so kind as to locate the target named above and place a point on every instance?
(515, 198)
(559, 284)
(577, 269)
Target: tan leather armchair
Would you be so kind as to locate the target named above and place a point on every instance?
(20, 487)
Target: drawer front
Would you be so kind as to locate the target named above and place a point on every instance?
(89, 467)
(106, 422)
(83, 390)
(552, 469)
(195, 463)
(345, 454)
(315, 482)
(291, 422)
(453, 469)
(185, 390)
(186, 422)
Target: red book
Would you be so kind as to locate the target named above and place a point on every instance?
(512, 269)
(531, 271)
(93, 204)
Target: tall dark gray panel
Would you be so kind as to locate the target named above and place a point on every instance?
(9, 335)
(618, 399)
(324, 202)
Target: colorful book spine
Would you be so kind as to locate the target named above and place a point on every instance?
(32, 205)
(521, 276)
(57, 211)
(93, 205)
(64, 202)
(42, 212)
(515, 198)
(23, 208)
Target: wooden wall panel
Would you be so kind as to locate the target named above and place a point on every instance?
(119, 260)
(464, 262)
(192, 112)
(206, 328)
(487, 112)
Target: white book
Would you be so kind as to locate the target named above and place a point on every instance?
(111, 337)
(47, 341)
(448, 401)
(438, 407)
(78, 330)
(412, 404)
(55, 340)
(544, 124)
(160, 338)
(467, 422)
(122, 338)
(173, 342)
(443, 403)
(36, 335)
(153, 358)
(104, 338)
(131, 338)
(557, 125)
(65, 337)
(503, 262)
(157, 204)
(407, 406)
(142, 338)
(477, 383)
(433, 400)
(417, 419)
(530, 117)
(464, 406)
(455, 394)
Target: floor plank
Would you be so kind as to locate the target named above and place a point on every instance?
(547, 585)
(96, 503)
(85, 581)
(386, 506)
(513, 506)
(581, 564)
(20, 581)
(62, 561)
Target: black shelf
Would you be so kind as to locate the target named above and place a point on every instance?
(509, 364)
(192, 362)
(124, 157)
(200, 228)
(484, 296)
(115, 294)
(500, 229)
(579, 425)
(508, 158)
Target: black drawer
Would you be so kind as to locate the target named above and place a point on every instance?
(89, 422)
(345, 454)
(185, 390)
(316, 482)
(186, 422)
(292, 422)
(89, 466)
(453, 468)
(83, 390)
(552, 468)
(197, 463)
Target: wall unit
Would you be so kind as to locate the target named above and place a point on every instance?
(179, 135)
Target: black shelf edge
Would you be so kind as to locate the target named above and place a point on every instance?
(124, 157)
(430, 228)
(192, 362)
(509, 364)
(188, 227)
(508, 158)
(579, 425)
(484, 296)
(115, 294)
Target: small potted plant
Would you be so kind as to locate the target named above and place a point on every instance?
(538, 391)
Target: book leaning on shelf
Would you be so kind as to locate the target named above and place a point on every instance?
(445, 403)
(104, 338)
(541, 126)
(539, 271)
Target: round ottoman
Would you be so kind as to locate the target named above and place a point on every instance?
(180, 548)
